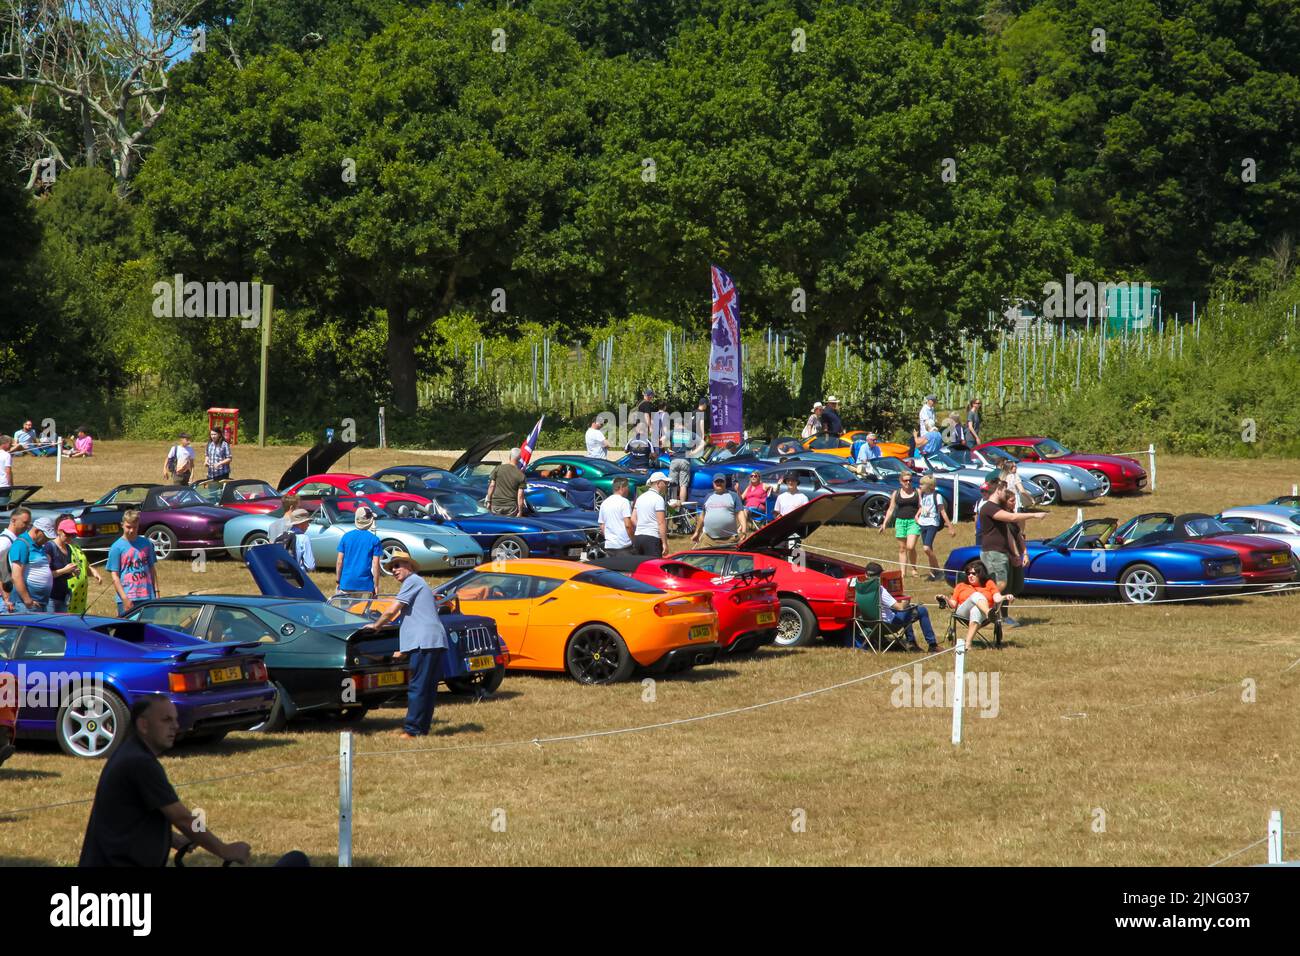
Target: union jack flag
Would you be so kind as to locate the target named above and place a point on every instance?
(526, 449)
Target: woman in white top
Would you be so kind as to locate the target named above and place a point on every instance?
(931, 515)
(814, 423)
(1014, 484)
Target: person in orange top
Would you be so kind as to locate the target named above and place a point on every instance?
(974, 597)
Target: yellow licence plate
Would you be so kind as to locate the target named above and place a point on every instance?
(484, 662)
(1282, 558)
(767, 617)
(110, 528)
(701, 632)
(390, 678)
(224, 675)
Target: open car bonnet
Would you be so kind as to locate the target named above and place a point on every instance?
(316, 460)
(478, 451)
(14, 496)
(802, 522)
(277, 574)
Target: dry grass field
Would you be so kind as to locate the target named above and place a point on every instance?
(1121, 738)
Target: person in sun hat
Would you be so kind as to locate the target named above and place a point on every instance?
(831, 417)
(356, 569)
(422, 641)
(814, 423)
(295, 541)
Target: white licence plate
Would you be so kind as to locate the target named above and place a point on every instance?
(464, 562)
(575, 552)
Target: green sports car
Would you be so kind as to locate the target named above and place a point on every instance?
(579, 477)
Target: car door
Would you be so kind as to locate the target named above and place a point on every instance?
(1086, 571)
(324, 535)
(9, 690)
(39, 653)
(504, 597)
(552, 616)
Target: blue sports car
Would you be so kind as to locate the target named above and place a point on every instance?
(419, 478)
(554, 506)
(504, 536)
(76, 679)
(1082, 562)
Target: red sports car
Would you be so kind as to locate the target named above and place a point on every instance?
(747, 603)
(1115, 472)
(1263, 560)
(815, 591)
(249, 495)
(341, 484)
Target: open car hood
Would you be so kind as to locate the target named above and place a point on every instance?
(802, 522)
(14, 496)
(316, 460)
(277, 574)
(478, 451)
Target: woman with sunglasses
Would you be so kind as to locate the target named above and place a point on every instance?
(903, 506)
(973, 598)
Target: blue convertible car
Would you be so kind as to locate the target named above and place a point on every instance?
(504, 536)
(1082, 562)
(76, 678)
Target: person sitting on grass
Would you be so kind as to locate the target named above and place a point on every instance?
(83, 446)
(974, 598)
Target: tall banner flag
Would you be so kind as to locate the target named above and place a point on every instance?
(526, 449)
(725, 396)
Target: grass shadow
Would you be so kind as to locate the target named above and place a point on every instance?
(28, 774)
(251, 743)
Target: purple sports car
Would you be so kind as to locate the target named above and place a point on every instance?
(171, 516)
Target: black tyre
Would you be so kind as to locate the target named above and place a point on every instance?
(163, 540)
(1141, 584)
(795, 625)
(873, 511)
(1051, 490)
(597, 654)
(91, 723)
(253, 540)
(1105, 482)
(485, 682)
(509, 547)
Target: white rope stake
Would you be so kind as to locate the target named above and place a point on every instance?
(1275, 837)
(958, 692)
(345, 798)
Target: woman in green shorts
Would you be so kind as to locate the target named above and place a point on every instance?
(903, 505)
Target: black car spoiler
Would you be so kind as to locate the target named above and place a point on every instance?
(218, 650)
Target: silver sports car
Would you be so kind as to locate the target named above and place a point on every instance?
(1061, 483)
(434, 548)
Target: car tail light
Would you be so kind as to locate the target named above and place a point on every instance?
(184, 682)
(503, 658)
(685, 604)
(257, 670)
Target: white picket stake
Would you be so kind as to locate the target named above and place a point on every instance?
(1151, 453)
(958, 691)
(1295, 490)
(956, 500)
(58, 460)
(345, 798)
(1275, 837)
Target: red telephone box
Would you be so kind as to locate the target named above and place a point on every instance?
(225, 420)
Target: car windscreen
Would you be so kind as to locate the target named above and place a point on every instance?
(368, 486)
(1051, 449)
(1199, 527)
(180, 497)
(546, 500)
(890, 465)
(942, 462)
(316, 614)
(459, 505)
(835, 474)
(252, 492)
(615, 581)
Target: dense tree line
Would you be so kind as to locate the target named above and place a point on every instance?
(890, 170)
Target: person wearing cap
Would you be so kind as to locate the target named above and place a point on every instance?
(422, 641)
(356, 569)
(72, 570)
(928, 419)
(791, 498)
(724, 514)
(30, 565)
(869, 450)
(814, 424)
(650, 535)
(180, 461)
(595, 440)
(299, 519)
(831, 418)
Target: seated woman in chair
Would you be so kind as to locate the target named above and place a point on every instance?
(973, 598)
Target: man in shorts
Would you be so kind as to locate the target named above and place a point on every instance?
(679, 475)
(724, 514)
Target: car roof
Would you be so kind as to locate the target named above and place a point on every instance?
(550, 567)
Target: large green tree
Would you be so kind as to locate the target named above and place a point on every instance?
(435, 167)
(808, 158)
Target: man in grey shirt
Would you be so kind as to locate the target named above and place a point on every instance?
(724, 514)
(423, 641)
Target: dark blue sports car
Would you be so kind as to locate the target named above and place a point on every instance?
(554, 506)
(1082, 562)
(419, 478)
(76, 679)
(504, 536)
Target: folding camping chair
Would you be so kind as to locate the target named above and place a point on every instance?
(868, 623)
(994, 618)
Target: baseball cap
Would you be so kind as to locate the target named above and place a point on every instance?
(365, 518)
(68, 526)
(932, 398)
(44, 525)
(658, 476)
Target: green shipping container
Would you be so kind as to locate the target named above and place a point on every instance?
(1132, 306)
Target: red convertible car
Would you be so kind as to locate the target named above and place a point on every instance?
(815, 591)
(338, 484)
(1115, 472)
(1263, 560)
(747, 603)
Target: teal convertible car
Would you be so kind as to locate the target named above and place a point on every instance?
(434, 547)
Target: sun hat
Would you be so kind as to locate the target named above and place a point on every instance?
(657, 476)
(832, 400)
(401, 557)
(299, 515)
(365, 518)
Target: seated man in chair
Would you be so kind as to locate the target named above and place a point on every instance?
(973, 599)
(902, 614)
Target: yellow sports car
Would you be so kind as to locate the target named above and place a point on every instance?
(843, 445)
(596, 625)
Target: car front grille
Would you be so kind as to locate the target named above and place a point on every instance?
(474, 640)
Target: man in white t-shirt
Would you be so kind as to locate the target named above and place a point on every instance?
(791, 498)
(616, 526)
(929, 419)
(650, 534)
(180, 461)
(6, 462)
(597, 443)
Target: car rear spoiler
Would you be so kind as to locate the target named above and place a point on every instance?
(219, 650)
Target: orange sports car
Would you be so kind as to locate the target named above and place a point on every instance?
(843, 445)
(598, 626)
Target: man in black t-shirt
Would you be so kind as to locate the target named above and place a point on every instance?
(135, 805)
(646, 411)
